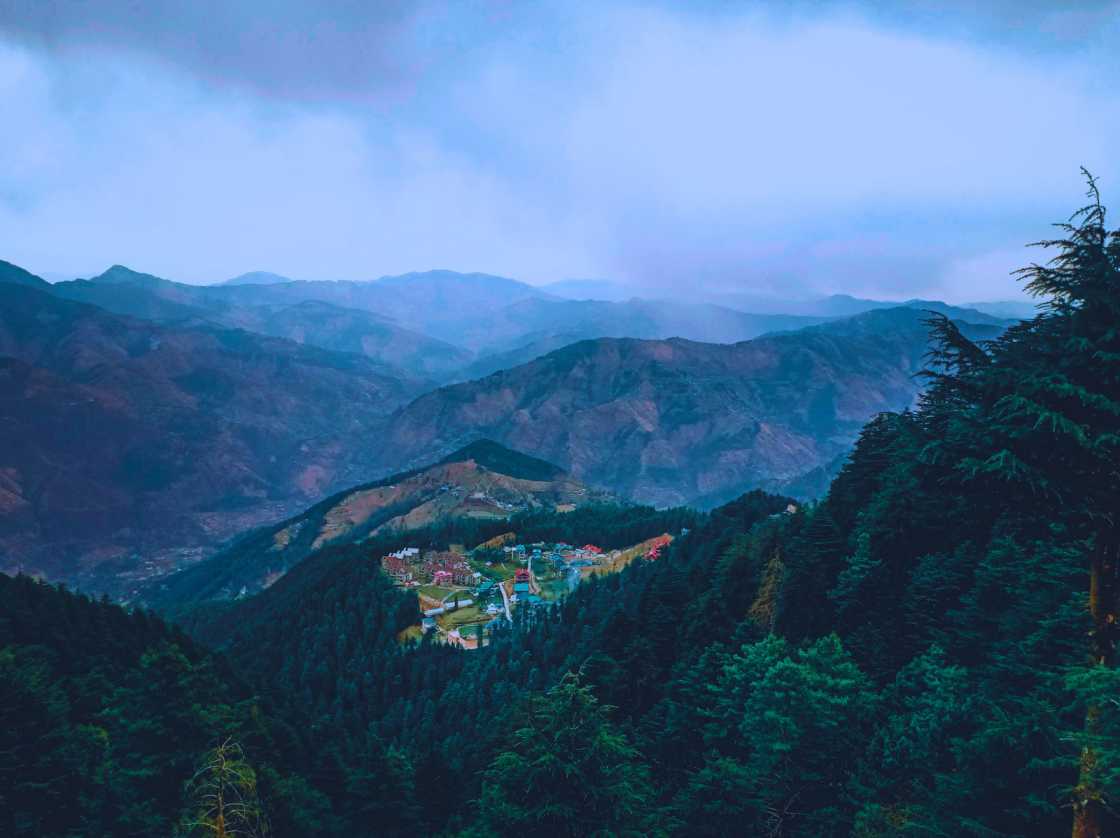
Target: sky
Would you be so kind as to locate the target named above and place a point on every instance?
(796, 149)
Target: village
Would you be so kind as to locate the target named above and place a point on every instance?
(463, 594)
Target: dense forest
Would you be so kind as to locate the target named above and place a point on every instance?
(930, 650)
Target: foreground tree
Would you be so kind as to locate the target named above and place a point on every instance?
(566, 770)
(1077, 403)
(784, 729)
(224, 801)
(1034, 435)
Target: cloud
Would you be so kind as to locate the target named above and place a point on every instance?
(797, 151)
(287, 48)
(151, 172)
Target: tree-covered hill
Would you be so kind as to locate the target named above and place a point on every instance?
(108, 720)
(929, 650)
(481, 481)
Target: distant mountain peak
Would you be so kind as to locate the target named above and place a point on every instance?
(122, 275)
(257, 278)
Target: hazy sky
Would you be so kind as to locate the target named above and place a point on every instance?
(891, 149)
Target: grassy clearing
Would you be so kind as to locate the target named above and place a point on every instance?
(497, 572)
(554, 589)
(461, 617)
(434, 591)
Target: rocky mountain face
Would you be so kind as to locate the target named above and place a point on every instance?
(122, 438)
(481, 480)
(673, 421)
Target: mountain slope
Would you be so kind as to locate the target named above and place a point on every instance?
(362, 332)
(483, 480)
(436, 303)
(124, 291)
(109, 716)
(15, 275)
(121, 436)
(669, 422)
(535, 321)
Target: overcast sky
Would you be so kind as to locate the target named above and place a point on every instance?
(887, 149)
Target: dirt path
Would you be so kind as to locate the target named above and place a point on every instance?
(505, 599)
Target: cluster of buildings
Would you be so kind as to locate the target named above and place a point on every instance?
(558, 554)
(401, 564)
(561, 563)
(566, 557)
(443, 568)
(410, 566)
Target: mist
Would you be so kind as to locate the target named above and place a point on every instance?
(803, 150)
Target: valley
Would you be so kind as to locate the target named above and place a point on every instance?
(273, 394)
(598, 590)
(409, 559)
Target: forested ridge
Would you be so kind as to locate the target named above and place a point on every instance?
(930, 650)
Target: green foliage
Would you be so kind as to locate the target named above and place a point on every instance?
(496, 457)
(566, 770)
(785, 729)
(105, 715)
(223, 798)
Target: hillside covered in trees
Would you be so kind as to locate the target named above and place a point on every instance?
(929, 650)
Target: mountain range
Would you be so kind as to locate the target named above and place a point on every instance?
(927, 649)
(832, 305)
(126, 439)
(446, 326)
(302, 313)
(440, 324)
(148, 422)
(674, 421)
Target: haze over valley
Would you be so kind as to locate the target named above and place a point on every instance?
(215, 409)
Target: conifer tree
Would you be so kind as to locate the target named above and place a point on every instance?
(1058, 409)
(224, 800)
(566, 770)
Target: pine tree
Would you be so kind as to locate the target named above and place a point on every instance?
(566, 770)
(223, 795)
(1055, 399)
